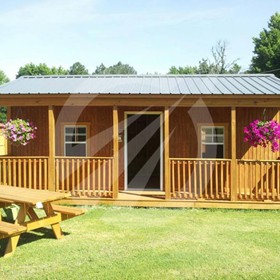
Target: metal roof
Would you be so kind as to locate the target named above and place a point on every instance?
(144, 84)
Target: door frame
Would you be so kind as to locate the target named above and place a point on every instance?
(160, 113)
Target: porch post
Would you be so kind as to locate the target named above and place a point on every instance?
(51, 177)
(166, 154)
(115, 152)
(233, 189)
(8, 143)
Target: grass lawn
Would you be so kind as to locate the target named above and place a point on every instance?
(131, 243)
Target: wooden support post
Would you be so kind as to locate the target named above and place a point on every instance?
(51, 171)
(166, 154)
(8, 146)
(233, 192)
(115, 152)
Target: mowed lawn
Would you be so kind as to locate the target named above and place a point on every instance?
(131, 243)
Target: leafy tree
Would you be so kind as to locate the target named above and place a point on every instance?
(3, 110)
(219, 64)
(78, 69)
(118, 68)
(59, 71)
(31, 69)
(3, 78)
(267, 48)
(100, 69)
(183, 70)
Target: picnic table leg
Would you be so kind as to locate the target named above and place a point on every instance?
(55, 227)
(32, 214)
(13, 241)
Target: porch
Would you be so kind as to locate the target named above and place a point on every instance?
(193, 182)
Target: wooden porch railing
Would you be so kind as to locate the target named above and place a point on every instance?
(200, 178)
(90, 176)
(258, 180)
(189, 178)
(26, 172)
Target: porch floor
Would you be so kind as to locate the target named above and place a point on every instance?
(157, 199)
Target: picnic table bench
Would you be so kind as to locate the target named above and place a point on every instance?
(28, 200)
(67, 212)
(8, 229)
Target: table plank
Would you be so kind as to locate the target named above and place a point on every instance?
(30, 196)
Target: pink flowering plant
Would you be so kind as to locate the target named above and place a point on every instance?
(19, 131)
(261, 133)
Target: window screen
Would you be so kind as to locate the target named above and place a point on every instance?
(75, 139)
(212, 142)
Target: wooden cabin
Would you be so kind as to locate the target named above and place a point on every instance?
(170, 140)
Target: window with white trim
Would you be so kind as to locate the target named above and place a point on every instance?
(75, 140)
(212, 142)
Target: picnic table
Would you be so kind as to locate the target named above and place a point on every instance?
(28, 200)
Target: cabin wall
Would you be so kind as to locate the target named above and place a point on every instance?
(100, 120)
(184, 122)
(183, 129)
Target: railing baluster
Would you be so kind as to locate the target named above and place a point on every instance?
(267, 181)
(173, 193)
(93, 178)
(184, 180)
(179, 179)
(83, 176)
(206, 195)
(189, 180)
(40, 174)
(200, 179)
(195, 179)
(110, 176)
(14, 172)
(277, 180)
(104, 177)
(67, 162)
(9, 172)
(222, 179)
(273, 181)
(99, 178)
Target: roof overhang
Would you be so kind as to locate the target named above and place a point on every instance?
(178, 100)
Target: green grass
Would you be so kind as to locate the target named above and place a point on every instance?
(131, 243)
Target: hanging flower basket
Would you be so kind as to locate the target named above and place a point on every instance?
(19, 131)
(261, 133)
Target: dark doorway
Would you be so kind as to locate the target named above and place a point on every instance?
(143, 148)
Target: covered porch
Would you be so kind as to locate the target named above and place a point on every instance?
(236, 180)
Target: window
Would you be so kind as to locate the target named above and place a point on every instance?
(75, 140)
(212, 142)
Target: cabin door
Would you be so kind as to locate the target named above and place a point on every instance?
(143, 151)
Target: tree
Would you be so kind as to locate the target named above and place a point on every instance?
(183, 70)
(78, 69)
(99, 69)
(219, 65)
(267, 48)
(3, 110)
(31, 69)
(118, 68)
(3, 78)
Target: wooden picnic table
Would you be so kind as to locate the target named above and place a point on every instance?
(27, 200)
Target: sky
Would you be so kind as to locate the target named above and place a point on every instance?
(150, 35)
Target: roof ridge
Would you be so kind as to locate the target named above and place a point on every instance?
(144, 76)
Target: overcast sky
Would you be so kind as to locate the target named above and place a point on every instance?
(150, 35)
